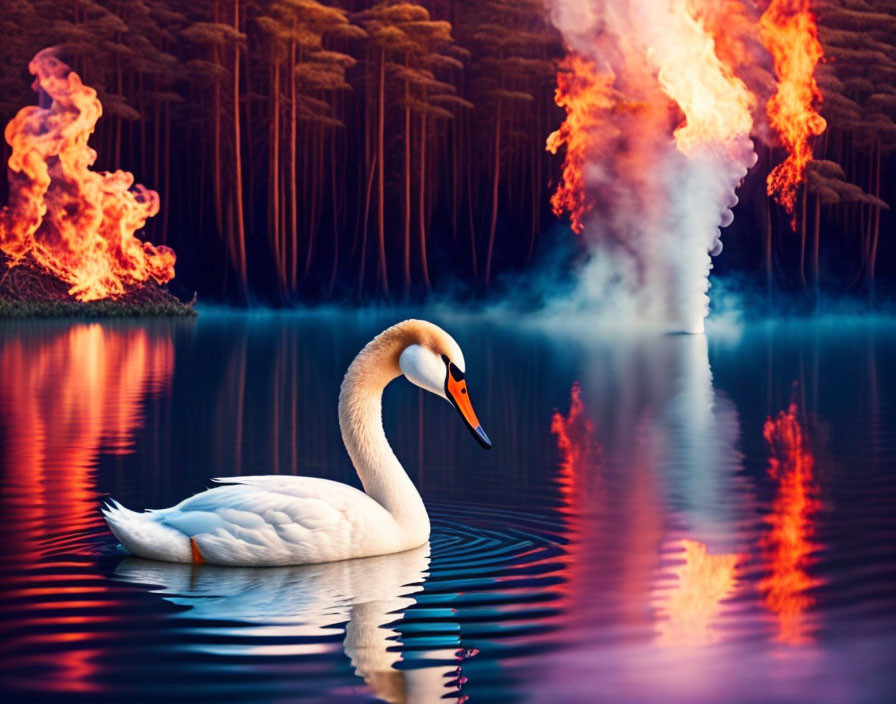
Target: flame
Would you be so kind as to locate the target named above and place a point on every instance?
(76, 223)
(788, 31)
(67, 396)
(688, 611)
(787, 544)
(657, 140)
(586, 95)
(716, 104)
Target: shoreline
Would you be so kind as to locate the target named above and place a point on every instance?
(28, 291)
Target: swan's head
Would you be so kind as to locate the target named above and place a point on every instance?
(434, 361)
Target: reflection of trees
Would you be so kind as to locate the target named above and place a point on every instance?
(787, 545)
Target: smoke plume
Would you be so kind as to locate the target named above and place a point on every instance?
(657, 140)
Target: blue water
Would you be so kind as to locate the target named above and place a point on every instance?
(662, 518)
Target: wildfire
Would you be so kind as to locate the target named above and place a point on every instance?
(787, 544)
(788, 31)
(76, 223)
(586, 95)
(703, 582)
(716, 104)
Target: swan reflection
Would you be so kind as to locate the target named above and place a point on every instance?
(297, 610)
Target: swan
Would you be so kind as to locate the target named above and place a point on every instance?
(280, 520)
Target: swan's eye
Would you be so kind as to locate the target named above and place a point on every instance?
(455, 373)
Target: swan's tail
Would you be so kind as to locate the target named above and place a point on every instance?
(144, 536)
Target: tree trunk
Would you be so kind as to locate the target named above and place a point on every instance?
(534, 183)
(120, 88)
(166, 183)
(216, 139)
(422, 194)
(156, 143)
(768, 246)
(455, 176)
(380, 174)
(803, 239)
(768, 236)
(238, 166)
(314, 186)
(469, 181)
(407, 190)
(335, 216)
(274, 184)
(293, 195)
(373, 167)
(496, 177)
(872, 260)
(816, 236)
(370, 165)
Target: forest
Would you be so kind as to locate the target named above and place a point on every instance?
(358, 151)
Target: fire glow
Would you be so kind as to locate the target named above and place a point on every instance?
(76, 223)
(657, 139)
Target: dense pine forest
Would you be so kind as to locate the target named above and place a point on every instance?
(309, 151)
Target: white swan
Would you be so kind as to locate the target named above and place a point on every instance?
(287, 520)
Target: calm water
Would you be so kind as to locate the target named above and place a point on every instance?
(663, 519)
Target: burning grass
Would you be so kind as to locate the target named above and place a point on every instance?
(29, 291)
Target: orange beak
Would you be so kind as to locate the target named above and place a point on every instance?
(456, 391)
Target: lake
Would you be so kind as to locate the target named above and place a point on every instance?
(662, 518)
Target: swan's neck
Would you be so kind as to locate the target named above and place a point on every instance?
(361, 423)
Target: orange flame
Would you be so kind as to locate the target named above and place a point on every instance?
(787, 545)
(788, 31)
(689, 610)
(586, 95)
(76, 223)
(715, 103)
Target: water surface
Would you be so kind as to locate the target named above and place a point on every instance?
(668, 519)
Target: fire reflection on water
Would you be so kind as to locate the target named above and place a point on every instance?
(67, 395)
(787, 545)
(689, 596)
(650, 515)
(688, 610)
(577, 443)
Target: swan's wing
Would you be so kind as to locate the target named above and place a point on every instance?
(275, 520)
(335, 493)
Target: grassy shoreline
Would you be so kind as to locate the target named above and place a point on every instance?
(19, 310)
(28, 291)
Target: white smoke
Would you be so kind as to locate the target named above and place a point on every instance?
(657, 202)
